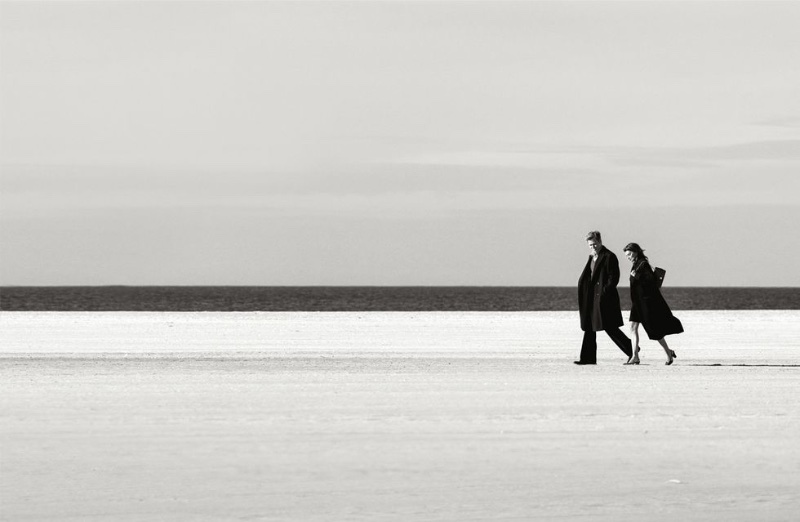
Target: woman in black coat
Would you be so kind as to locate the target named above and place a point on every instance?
(648, 306)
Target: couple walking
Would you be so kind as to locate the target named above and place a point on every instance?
(599, 306)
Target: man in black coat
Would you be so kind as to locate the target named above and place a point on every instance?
(598, 300)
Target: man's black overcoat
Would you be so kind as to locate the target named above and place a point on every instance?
(598, 299)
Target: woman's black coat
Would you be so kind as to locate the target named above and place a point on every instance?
(598, 300)
(648, 305)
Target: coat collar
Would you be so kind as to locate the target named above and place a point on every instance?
(602, 253)
(600, 256)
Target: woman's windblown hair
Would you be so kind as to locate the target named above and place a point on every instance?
(637, 251)
(633, 247)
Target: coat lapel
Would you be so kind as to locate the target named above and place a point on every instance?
(600, 256)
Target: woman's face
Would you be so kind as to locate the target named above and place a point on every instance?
(630, 255)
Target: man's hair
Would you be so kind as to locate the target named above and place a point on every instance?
(594, 234)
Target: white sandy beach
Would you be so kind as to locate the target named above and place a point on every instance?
(394, 416)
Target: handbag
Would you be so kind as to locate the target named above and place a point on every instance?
(659, 273)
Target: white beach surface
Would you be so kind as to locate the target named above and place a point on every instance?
(394, 416)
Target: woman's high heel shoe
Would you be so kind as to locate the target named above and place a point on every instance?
(673, 357)
(632, 361)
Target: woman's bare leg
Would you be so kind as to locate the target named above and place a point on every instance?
(670, 353)
(634, 343)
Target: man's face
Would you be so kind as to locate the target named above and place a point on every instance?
(594, 246)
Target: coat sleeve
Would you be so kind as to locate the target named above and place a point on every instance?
(647, 278)
(646, 273)
(641, 271)
(612, 278)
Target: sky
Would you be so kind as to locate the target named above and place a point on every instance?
(397, 142)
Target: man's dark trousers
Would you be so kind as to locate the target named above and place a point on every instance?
(589, 346)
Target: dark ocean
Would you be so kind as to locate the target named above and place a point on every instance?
(361, 298)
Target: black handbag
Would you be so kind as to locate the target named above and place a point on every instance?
(659, 273)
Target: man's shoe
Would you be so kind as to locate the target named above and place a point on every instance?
(581, 363)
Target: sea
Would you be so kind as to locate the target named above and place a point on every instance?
(367, 298)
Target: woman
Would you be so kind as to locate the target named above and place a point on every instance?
(648, 306)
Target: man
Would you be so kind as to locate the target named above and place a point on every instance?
(598, 300)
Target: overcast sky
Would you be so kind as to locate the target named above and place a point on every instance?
(397, 143)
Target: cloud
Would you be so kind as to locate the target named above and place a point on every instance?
(787, 151)
(790, 122)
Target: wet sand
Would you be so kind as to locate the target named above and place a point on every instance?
(394, 416)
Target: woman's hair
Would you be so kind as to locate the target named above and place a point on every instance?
(636, 249)
(594, 234)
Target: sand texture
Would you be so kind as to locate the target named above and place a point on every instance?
(394, 416)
